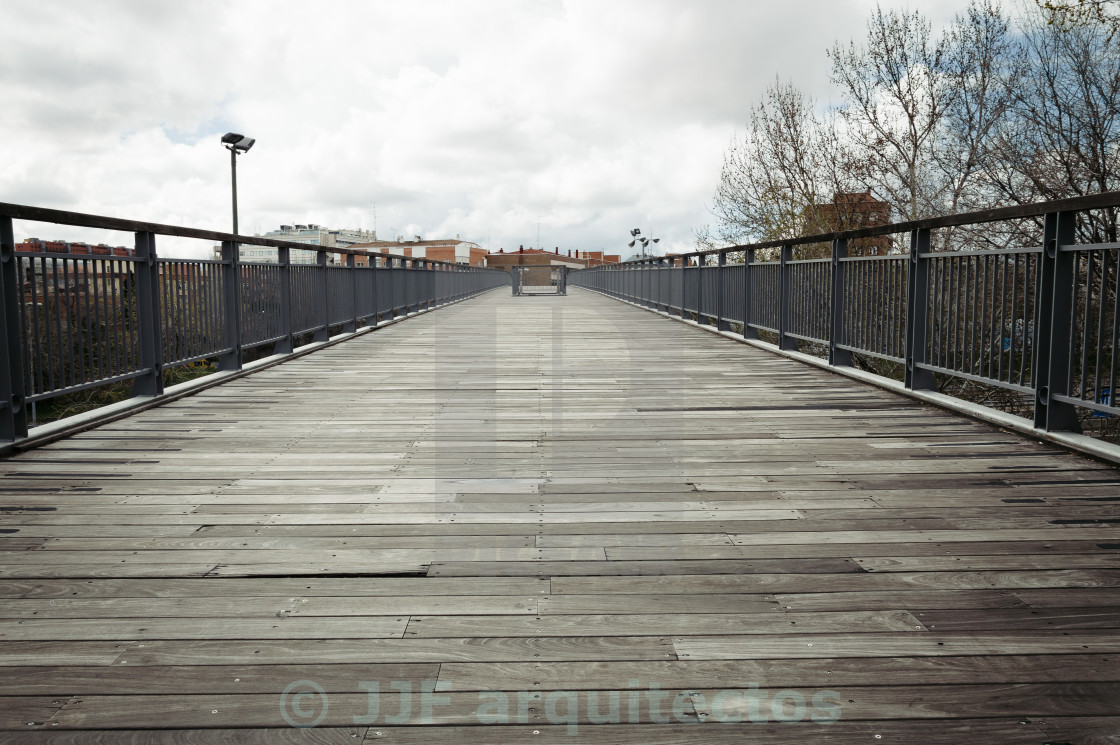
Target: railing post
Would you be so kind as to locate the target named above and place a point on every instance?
(917, 313)
(837, 334)
(146, 299)
(701, 262)
(406, 276)
(429, 283)
(13, 414)
(390, 282)
(685, 261)
(351, 323)
(785, 300)
(722, 322)
(1052, 340)
(667, 283)
(664, 278)
(231, 300)
(749, 332)
(287, 327)
(324, 333)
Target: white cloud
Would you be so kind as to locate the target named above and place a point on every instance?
(476, 118)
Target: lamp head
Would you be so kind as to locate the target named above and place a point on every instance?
(237, 142)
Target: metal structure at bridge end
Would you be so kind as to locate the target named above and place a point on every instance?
(540, 280)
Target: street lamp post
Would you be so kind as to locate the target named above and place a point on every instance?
(639, 238)
(236, 144)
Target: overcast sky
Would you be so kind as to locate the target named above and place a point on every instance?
(469, 117)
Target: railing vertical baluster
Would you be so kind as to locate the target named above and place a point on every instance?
(390, 297)
(723, 323)
(66, 341)
(837, 332)
(749, 332)
(785, 299)
(684, 284)
(1098, 358)
(1052, 343)
(406, 283)
(1115, 330)
(699, 282)
(231, 288)
(13, 414)
(917, 313)
(371, 278)
(351, 323)
(323, 333)
(146, 299)
(429, 289)
(287, 327)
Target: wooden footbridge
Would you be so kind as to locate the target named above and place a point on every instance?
(554, 519)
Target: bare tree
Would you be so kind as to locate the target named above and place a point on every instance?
(790, 161)
(981, 73)
(1061, 135)
(897, 95)
(1072, 13)
(984, 115)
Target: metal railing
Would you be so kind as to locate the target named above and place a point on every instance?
(1036, 316)
(540, 280)
(71, 322)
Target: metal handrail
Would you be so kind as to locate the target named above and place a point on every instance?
(1044, 321)
(70, 322)
(995, 214)
(84, 220)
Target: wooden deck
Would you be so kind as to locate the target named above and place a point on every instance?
(625, 528)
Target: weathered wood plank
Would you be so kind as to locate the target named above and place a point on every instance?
(1006, 731)
(796, 583)
(508, 504)
(780, 673)
(323, 651)
(243, 736)
(895, 645)
(281, 627)
(214, 587)
(71, 680)
(671, 623)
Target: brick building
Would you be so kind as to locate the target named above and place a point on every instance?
(452, 250)
(853, 211)
(537, 257)
(36, 246)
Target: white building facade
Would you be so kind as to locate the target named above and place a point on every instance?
(310, 234)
